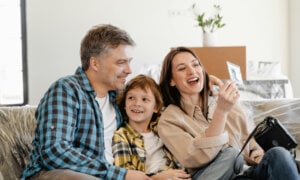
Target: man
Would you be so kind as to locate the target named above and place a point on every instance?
(77, 116)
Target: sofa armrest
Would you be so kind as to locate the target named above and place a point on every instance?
(16, 134)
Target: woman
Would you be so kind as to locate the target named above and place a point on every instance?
(203, 132)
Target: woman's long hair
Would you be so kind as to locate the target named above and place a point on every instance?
(170, 94)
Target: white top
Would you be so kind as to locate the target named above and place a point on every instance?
(154, 152)
(110, 125)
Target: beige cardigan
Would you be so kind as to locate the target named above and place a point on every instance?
(184, 134)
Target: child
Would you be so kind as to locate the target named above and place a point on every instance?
(136, 145)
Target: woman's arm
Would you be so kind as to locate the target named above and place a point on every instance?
(186, 140)
(227, 98)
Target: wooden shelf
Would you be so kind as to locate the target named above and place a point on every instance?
(214, 59)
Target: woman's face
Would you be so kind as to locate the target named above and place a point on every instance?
(187, 74)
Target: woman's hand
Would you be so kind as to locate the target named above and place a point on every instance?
(257, 155)
(215, 82)
(174, 174)
(228, 96)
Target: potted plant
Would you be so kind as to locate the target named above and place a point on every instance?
(209, 24)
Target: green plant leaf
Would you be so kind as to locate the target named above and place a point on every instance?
(210, 24)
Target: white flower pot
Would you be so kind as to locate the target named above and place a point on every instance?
(209, 39)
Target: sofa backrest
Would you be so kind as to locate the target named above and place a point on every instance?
(17, 126)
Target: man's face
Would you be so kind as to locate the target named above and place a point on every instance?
(113, 68)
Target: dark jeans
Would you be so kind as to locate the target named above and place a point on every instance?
(277, 164)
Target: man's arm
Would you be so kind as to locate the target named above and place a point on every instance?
(67, 140)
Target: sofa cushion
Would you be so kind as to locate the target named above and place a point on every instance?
(16, 134)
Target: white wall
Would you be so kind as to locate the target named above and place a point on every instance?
(55, 29)
(294, 38)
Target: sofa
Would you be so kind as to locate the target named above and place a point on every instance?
(17, 126)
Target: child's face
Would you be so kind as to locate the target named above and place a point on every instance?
(140, 105)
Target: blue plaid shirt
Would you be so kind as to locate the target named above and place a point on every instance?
(69, 132)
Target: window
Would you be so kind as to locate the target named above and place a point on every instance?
(13, 53)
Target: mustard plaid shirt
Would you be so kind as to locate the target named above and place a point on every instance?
(129, 151)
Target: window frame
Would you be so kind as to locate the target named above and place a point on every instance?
(23, 40)
(24, 51)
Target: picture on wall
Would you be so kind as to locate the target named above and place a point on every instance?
(235, 72)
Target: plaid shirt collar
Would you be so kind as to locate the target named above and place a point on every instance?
(136, 134)
(83, 80)
(86, 85)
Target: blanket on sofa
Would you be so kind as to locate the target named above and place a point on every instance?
(16, 134)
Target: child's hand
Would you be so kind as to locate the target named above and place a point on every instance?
(133, 174)
(174, 174)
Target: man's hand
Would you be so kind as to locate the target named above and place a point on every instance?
(214, 81)
(132, 174)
